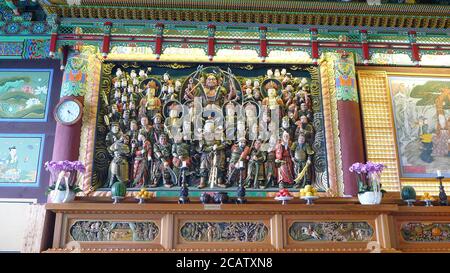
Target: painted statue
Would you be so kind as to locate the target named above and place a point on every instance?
(212, 164)
(142, 159)
(162, 170)
(113, 135)
(153, 103)
(239, 154)
(272, 100)
(119, 167)
(256, 173)
(303, 153)
(284, 158)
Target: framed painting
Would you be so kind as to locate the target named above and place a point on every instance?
(24, 94)
(406, 124)
(421, 114)
(21, 159)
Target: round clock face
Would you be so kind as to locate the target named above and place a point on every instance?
(68, 112)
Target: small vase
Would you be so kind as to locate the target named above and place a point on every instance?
(370, 197)
(57, 196)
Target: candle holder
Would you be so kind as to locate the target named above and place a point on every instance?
(116, 199)
(443, 201)
(428, 203)
(184, 191)
(410, 202)
(183, 169)
(241, 189)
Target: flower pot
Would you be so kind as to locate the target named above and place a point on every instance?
(370, 197)
(57, 196)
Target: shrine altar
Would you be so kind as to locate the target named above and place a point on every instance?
(295, 227)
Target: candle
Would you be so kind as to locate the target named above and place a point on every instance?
(438, 173)
(241, 164)
(184, 164)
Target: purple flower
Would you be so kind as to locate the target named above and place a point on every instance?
(358, 168)
(374, 167)
(66, 165)
(369, 167)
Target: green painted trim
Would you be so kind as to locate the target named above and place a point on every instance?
(6, 38)
(17, 57)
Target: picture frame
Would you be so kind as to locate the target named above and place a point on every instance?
(31, 99)
(22, 167)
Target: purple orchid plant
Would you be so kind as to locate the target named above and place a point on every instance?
(364, 171)
(71, 168)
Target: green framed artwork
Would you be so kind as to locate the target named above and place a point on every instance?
(24, 94)
(21, 159)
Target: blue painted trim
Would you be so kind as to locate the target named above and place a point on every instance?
(39, 164)
(47, 103)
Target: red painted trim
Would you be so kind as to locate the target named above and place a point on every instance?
(252, 42)
(263, 47)
(211, 46)
(106, 44)
(415, 52)
(158, 46)
(53, 41)
(315, 49)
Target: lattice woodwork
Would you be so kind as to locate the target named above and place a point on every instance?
(378, 126)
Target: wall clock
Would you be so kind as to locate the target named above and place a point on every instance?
(68, 112)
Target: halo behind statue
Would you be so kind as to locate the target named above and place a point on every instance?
(151, 82)
(270, 83)
(252, 103)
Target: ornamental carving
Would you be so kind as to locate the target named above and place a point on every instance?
(249, 232)
(112, 231)
(331, 231)
(425, 232)
(153, 118)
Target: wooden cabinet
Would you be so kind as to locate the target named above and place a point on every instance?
(156, 227)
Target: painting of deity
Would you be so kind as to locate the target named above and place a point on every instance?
(20, 159)
(24, 94)
(421, 111)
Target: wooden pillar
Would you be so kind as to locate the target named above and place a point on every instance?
(74, 86)
(349, 118)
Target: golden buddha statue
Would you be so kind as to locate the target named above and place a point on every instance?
(153, 103)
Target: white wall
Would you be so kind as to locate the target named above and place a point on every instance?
(13, 223)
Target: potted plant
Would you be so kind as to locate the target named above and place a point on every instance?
(369, 185)
(63, 187)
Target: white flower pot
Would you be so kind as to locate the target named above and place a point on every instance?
(370, 198)
(57, 196)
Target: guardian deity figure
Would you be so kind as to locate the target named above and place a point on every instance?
(142, 157)
(239, 153)
(284, 158)
(162, 162)
(119, 167)
(214, 93)
(256, 173)
(303, 154)
(113, 135)
(212, 165)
